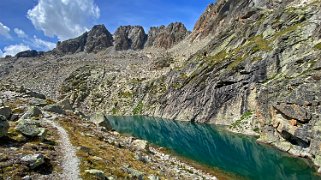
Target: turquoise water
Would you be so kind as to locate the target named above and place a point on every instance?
(215, 147)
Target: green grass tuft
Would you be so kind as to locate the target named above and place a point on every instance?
(138, 109)
(318, 46)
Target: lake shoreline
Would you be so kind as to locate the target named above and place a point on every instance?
(229, 141)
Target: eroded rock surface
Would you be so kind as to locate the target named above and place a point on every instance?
(129, 37)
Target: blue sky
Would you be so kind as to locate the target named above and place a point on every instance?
(39, 24)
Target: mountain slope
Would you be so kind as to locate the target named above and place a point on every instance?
(253, 65)
(259, 74)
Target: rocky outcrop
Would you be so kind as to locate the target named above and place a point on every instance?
(129, 37)
(97, 39)
(29, 53)
(258, 73)
(71, 46)
(125, 38)
(166, 37)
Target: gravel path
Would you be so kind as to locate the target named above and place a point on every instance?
(70, 164)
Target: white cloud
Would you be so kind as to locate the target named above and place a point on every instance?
(1, 54)
(42, 44)
(63, 18)
(14, 49)
(4, 31)
(20, 33)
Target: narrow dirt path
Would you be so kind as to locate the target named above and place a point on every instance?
(70, 163)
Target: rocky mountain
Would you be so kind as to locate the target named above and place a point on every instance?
(97, 39)
(253, 65)
(166, 37)
(129, 37)
(125, 38)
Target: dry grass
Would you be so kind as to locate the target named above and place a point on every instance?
(100, 155)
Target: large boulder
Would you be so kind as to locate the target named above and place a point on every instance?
(5, 111)
(30, 128)
(98, 38)
(129, 37)
(33, 161)
(101, 120)
(166, 37)
(140, 145)
(4, 126)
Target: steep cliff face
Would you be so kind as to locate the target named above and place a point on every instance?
(129, 37)
(97, 39)
(166, 37)
(259, 74)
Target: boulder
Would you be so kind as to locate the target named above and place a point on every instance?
(135, 173)
(140, 145)
(5, 111)
(55, 109)
(34, 160)
(65, 104)
(4, 126)
(30, 128)
(14, 117)
(34, 94)
(98, 174)
(32, 112)
(129, 37)
(100, 120)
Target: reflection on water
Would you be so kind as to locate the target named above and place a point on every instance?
(216, 147)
